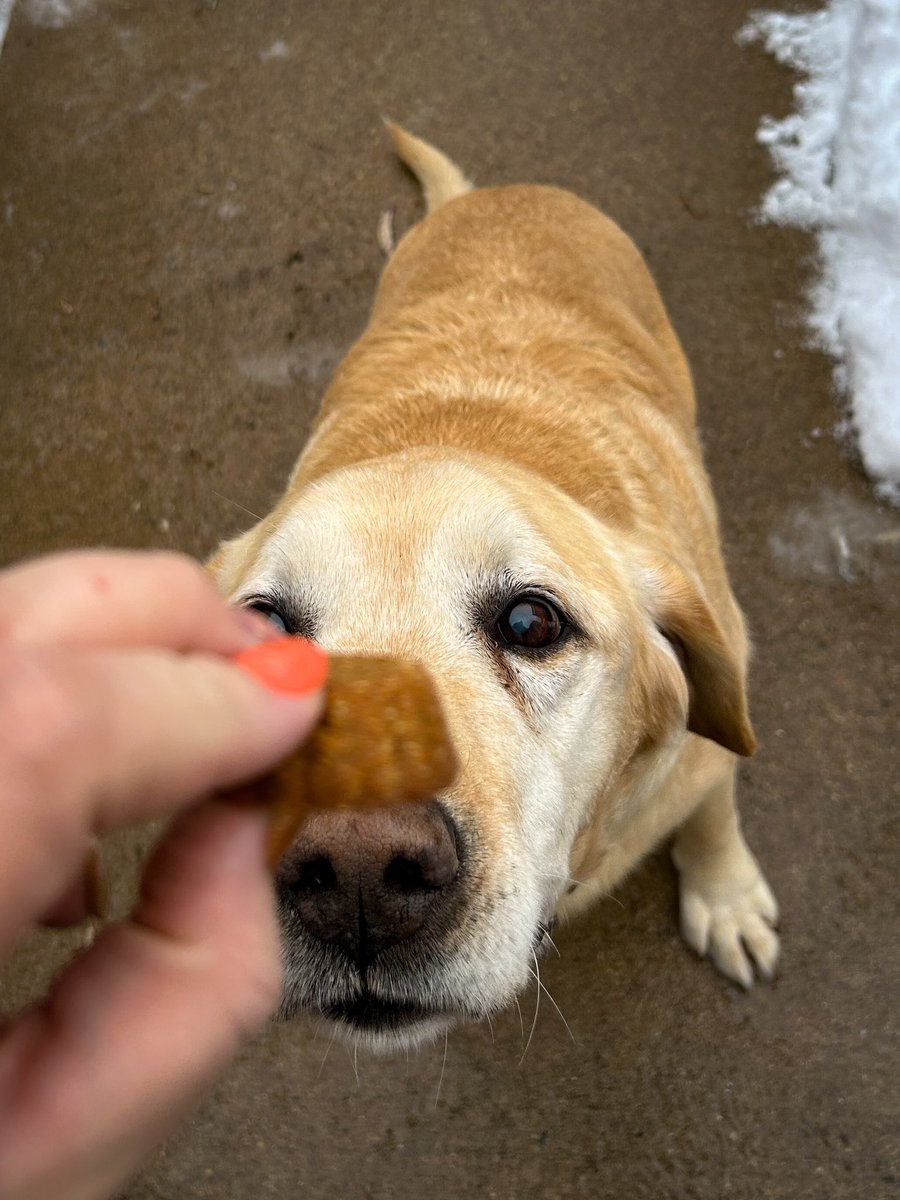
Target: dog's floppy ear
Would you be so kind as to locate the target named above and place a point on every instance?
(714, 670)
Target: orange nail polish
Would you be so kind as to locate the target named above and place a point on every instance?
(290, 665)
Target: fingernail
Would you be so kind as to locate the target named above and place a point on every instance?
(255, 627)
(289, 665)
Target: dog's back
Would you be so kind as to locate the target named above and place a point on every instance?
(543, 241)
(527, 300)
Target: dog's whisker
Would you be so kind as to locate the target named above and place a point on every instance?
(437, 1094)
(325, 1055)
(557, 877)
(521, 1021)
(229, 500)
(353, 1059)
(548, 938)
(546, 992)
(537, 1009)
(487, 1017)
(570, 880)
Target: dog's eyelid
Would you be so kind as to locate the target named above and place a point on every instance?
(259, 599)
(296, 617)
(574, 624)
(510, 587)
(273, 612)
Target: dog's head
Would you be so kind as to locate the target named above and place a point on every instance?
(569, 671)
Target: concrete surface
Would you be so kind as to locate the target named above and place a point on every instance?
(189, 194)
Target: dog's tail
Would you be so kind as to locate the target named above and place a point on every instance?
(441, 179)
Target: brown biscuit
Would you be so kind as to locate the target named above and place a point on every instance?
(381, 740)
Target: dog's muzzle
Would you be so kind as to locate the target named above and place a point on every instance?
(378, 891)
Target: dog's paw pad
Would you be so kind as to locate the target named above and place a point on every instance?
(735, 930)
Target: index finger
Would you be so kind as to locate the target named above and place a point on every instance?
(118, 598)
(91, 741)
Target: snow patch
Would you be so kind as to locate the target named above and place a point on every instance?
(6, 7)
(839, 158)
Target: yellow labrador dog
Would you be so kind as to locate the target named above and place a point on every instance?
(505, 483)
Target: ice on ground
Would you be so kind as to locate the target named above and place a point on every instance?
(313, 362)
(49, 14)
(838, 155)
(837, 539)
(54, 14)
(279, 49)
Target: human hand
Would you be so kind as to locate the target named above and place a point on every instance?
(118, 705)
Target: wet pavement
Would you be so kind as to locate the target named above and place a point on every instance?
(189, 194)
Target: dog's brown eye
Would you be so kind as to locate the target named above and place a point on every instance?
(531, 623)
(269, 611)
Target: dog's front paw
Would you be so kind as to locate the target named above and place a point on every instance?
(729, 916)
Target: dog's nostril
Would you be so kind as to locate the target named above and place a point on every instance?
(314, 875)
(427, 869)
(407, 875)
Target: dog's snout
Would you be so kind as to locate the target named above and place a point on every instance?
(366, 881)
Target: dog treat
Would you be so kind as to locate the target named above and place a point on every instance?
(381, 740)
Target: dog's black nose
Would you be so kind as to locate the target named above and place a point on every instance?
(366, 881)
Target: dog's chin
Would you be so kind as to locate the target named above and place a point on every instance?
(382, 1026)
(387, 1026)
(365, 1012)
